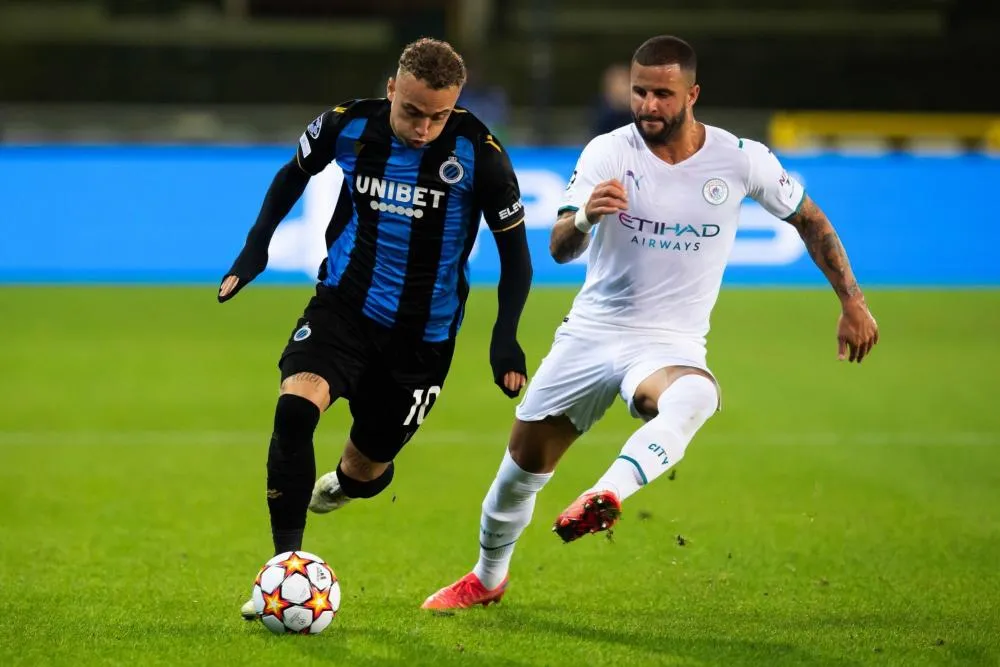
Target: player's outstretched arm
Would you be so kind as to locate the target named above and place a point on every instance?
(857, 331)
(506, 356)
(571, 233)
(286, 188)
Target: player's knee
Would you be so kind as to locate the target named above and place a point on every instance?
(537, 446)
(689, 401)
(295, 419)
(309, 386)
(355, 488)
(645, 405)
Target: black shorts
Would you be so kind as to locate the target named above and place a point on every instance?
(390, 379)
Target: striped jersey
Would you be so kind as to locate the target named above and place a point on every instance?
(406, 218)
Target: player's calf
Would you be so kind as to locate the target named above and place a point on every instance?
(507, 510)
(366, 468)
(335, 489)
(291, 469)
(682, 408)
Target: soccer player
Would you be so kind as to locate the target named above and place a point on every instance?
(419, 174)
(657, 201)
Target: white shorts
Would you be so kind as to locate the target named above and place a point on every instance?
(590, 363)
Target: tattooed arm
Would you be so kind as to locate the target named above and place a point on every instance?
(825, 249)
(857, 330)
(568, 241)
(592, 192)
(782, 196)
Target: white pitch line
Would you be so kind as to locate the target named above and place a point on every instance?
(431, 437)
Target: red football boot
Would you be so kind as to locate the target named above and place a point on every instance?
(464, 593)
(590, 513)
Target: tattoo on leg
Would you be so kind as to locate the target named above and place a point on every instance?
(308, 378)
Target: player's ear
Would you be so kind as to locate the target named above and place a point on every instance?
(390, 88)
(693, 93)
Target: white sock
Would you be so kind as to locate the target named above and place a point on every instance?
(660, 443)
(507, 510)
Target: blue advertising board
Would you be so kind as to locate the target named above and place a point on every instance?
(180, 215)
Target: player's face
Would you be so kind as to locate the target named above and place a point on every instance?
(662, 98)
(417, 112)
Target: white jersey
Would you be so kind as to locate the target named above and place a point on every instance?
(658, 266)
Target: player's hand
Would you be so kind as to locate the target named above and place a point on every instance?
(607, 197)
(857, 331)
(513, 382)
(508, 365)
(247, 266)
(228, 288)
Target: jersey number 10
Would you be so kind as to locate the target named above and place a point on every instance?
(421, 404)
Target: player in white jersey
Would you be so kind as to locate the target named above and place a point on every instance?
(658, 203)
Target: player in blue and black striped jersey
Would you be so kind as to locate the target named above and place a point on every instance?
(419, 175)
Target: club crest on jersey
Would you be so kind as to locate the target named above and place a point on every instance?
(451, 171)
(302, 333)
(715, 191)
(315, 126)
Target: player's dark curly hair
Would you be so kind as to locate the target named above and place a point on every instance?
(434, 62)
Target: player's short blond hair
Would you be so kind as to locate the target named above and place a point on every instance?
(434, 62)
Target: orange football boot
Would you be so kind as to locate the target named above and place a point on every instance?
(464, 593)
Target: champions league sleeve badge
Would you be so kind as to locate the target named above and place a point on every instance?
(315, 127)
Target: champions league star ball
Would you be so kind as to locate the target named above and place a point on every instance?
(296, 592)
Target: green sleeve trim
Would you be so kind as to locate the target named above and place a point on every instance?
(797, 206)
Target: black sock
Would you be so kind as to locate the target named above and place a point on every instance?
(287, 540)
(291, 470)
(354, 488)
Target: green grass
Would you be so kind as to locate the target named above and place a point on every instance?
(831, 514)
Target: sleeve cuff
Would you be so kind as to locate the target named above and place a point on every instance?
(509, 227)
(797, 206)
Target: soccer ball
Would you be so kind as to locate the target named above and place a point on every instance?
(296, 592)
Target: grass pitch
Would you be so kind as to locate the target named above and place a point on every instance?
(831, 514)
